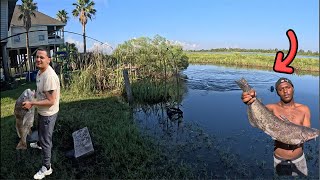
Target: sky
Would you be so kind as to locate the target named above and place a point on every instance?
(196, 24)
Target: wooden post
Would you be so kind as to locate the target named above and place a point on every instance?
(61, 74)
(26, 62)
(5, 63)
(9, 65)
(20, 67)
(54, 44)
(127, 85)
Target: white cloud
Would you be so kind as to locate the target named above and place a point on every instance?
(79, 44)
(187, 46)
(105, 48)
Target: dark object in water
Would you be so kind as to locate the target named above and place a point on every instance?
(271, 88)
(183, 76)
(282, 130)
(174, 113)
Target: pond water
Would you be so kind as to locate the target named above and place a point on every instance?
(214, 135)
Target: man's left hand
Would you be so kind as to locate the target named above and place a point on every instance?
(26, 105)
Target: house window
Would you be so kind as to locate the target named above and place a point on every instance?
(16, 39)
(41, 37)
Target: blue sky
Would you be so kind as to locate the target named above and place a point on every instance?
(198, 24)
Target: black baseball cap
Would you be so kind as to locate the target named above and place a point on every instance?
(281, 80)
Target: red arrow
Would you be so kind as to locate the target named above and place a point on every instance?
(282, 65)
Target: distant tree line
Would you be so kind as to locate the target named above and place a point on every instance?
(300, 52)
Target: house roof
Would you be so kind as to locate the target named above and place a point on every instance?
(40, 19)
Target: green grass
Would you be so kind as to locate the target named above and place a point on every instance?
(301, 65)
(121, 152)
(152, 91)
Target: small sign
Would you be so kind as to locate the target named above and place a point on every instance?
(82, 142)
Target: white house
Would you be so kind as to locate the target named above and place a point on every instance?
(44, 31)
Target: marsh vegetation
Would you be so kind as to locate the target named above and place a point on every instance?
(303, 65)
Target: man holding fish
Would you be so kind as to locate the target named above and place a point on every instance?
(47, 104)
(289, 159)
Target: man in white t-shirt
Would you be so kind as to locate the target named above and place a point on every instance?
(47, 104)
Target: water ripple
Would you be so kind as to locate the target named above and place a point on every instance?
(214, 78)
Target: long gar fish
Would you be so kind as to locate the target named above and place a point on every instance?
(24, 118)
(282, 130)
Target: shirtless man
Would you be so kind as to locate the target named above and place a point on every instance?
(288, 159)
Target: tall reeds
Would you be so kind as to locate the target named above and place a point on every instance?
(98, 75)
(150, 63)
(149, 91)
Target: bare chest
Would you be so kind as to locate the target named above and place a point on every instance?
(294, 115)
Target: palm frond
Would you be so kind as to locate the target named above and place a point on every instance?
(75, 13)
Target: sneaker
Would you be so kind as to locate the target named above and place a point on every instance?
(42, 173)
(35, 145)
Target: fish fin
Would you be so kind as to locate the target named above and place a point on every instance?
(24, 120)
(18, 131)
(284, 118)
(273, 138)
(267, 133)
(250, 117)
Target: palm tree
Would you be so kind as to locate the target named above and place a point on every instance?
(62, 16)
(27, 9)
(84, 9)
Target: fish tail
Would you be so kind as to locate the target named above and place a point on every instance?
(243, 84)
(22, 144)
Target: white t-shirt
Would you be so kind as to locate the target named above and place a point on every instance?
(47, 81)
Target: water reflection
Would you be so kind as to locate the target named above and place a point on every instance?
(214, 134)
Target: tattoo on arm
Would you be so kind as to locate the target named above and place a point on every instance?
(51, 96)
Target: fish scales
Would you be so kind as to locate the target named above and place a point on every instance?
(24, 118)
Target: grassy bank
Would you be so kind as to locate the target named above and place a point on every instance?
(121, 152)
(251, 61)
